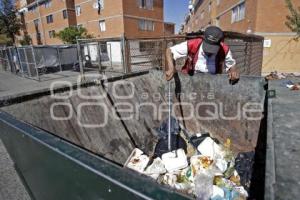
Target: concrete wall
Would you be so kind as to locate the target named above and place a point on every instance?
(114, 53)
(282, 56)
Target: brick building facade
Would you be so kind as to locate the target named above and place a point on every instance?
(43, 18)
(262, 17)
(101, 18)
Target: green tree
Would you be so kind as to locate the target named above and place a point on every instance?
(9, 22)
(293, 20)
(4, 40)
(70, 34)
(26, 40)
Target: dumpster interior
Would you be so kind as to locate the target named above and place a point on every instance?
(125, 120)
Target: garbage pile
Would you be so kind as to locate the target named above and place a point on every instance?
(198, 166)
(291, 85)
(277, 75)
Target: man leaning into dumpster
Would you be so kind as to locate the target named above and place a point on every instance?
(207, 54)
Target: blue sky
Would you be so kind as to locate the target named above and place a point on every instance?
(175, 11)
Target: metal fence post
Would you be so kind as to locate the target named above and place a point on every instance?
(35, 65)
(1, 59)
(164, 48)
(28, 67)
(80, 59)
(8, 59)
(11, 60)
(111, 64)
(126, 55)
(123, 54)
(59, 58)
(250, 56)
(19, 60)
(99, 57)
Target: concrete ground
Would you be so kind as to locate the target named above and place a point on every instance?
(11, 187)
(12, 86)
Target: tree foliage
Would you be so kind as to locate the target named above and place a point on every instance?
(26, 40)
(4, 40)
(293, 20)
(70, 34)
(9, 22)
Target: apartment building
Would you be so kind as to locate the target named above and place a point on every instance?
(43, 18)
(262, 17)
(101, 18)
(132, 18)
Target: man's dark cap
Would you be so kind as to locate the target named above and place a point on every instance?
(212, 38)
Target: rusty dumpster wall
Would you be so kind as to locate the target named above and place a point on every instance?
(146, 95)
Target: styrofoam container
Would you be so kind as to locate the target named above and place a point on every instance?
(137, 161)
(175, 160)
(209, 148)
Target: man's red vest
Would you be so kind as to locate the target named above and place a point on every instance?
(193, 52)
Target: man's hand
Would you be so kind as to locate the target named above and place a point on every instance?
(233, 74)
(169, 75)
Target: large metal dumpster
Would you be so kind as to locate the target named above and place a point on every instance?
(74, 142)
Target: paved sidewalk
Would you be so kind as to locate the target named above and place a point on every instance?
(11, 187)
(12, 86)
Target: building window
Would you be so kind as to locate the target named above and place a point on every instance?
(238, 13)
(65, 14)
(78, 10)
(36, 23)
(49, 19)
(51, 34)
(102, 26)
(32, 8)
(146, 4)
(47, 4)
(99, 4)
(146, 25)
(218, 2)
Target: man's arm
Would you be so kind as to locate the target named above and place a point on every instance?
(172, 54)
(170, 67)
(230, 67)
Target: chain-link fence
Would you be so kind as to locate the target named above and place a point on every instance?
(4, 60)
(104, 55)
(150, 53)
(145, 54)
(119, 55)
(247, 50)
(39, 62)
